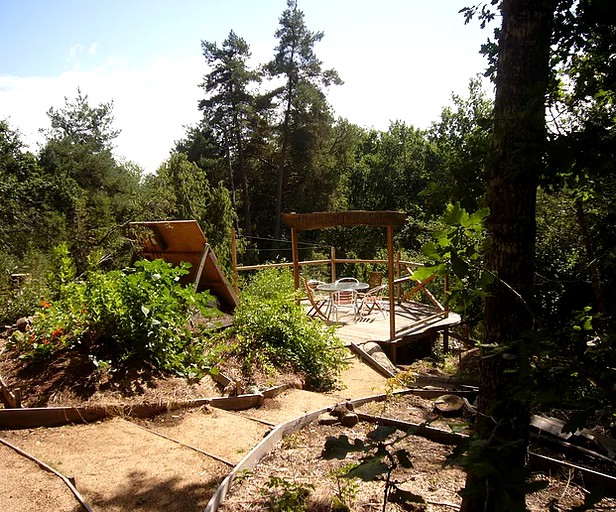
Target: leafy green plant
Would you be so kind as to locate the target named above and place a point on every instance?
(456, 253)
(273, 331)
(347, 488)
(573, 369)
(20, 295)
(138, 314)
(380, 458)
(284, 496)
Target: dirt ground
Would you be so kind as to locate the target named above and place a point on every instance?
(171, 462)
(298, 461)
(175, 461)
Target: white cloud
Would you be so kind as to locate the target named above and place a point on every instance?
(155, 100)
(152, 103)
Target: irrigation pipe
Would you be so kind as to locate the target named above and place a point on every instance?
(198, 450)
(51, 470)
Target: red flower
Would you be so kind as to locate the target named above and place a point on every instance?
(57, 332)
(45, 304)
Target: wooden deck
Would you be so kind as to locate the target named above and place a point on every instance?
(413, 321)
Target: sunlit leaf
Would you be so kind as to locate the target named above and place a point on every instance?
(423, 273)
(453, 214)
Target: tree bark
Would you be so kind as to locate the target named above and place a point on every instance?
(495, 474)
(283, 159)
(243, 176)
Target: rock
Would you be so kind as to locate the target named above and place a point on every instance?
(23, 324)
(449, 405)
(341, 410)
(349, 420)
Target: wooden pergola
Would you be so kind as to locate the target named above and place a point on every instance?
(321, 220)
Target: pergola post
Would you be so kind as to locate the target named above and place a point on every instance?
(234, 261)
(322, 220)
(390, 276)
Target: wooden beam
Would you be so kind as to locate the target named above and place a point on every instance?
(320, 220)
(390, 276)
(204, 255)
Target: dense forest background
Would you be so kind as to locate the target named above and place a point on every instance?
(269, 142)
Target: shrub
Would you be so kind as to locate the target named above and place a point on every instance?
(119, 317)
(272, 328)
(19, 299)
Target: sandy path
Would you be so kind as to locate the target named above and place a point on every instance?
(120, 466)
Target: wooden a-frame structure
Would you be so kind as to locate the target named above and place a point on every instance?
(321, 220)
(177, 241)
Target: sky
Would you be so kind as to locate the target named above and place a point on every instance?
(399, 60)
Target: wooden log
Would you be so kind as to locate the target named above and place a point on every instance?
(237, 403)
(56, 416)
(370, 361)
(9, 399)
(434, 434)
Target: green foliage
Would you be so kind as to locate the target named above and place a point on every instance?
(461, 139)
(30, 217)
(456, 252)
(82, 124)
(86, 192)
(273, 330)
(304, 112)
(347, 489)
(230, 111)
(573, 369)
(22, 284)
(184, 192)
(121, 317)
(284, 496)
(380, 458)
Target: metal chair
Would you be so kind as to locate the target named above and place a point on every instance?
(373, 298)
(347, 280)
(375, 279)
(345, 299)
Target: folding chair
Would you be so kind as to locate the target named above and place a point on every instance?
(373, 298)
(317, 304)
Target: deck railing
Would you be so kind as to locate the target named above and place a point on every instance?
(404, 286)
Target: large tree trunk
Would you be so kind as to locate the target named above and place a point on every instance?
(283, 162)
(243, 176)
(495, 478)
